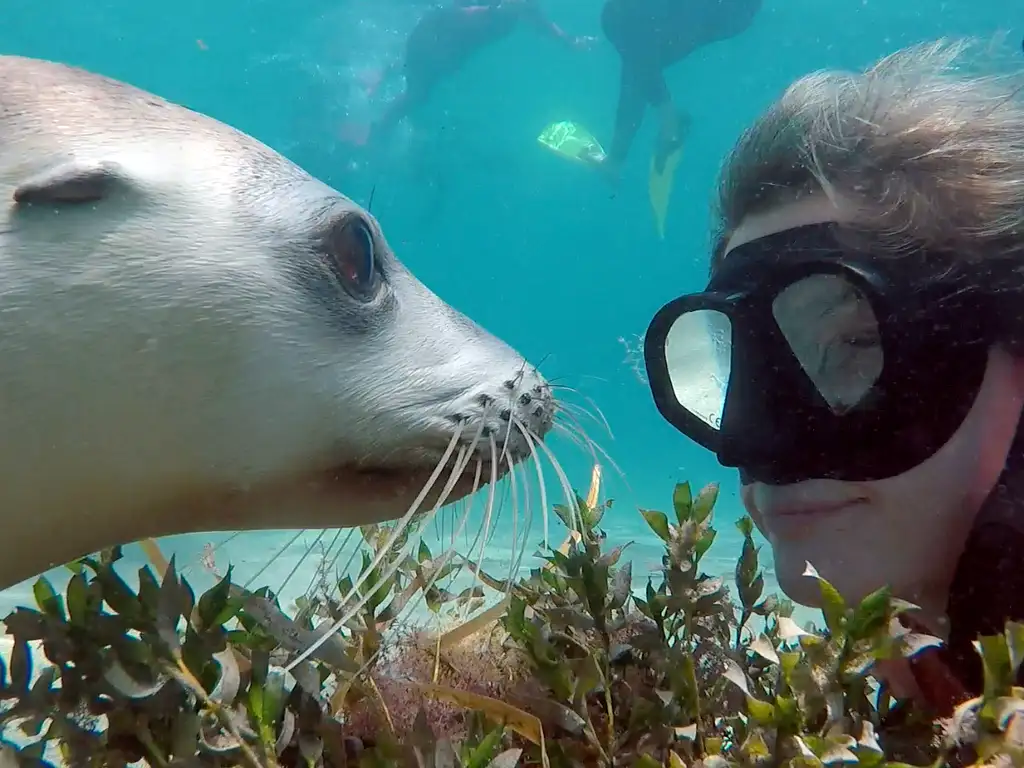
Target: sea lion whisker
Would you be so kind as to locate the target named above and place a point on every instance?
(477, 476)
(486, 531)
(489, 505)
(585, 443)
(465, 454)
(515, 396)
(513, 490)
(484, 535)
(571, 432)
(461, 462)
(302, 559)
(574, 413)
(270, 561)
(451, 551)
(467, 501)
(539, 362)
(597, 408)
(211, 551)
(351, 553)
(398, 556)
(555, 382)
(589, 444)
(468, 507)
(462, 459)
(426, 517)
(442, 558)
(391, 567)
(395, 532)
(599, 417)
(441, 518)
(519, 551)
(390, 570)
(333, 563)
(508, 430)
(570, 495)
(541, 483)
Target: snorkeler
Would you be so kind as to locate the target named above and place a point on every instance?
(445, 38)
(650, 36)
(858, 353)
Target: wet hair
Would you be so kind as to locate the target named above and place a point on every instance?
(925, 151)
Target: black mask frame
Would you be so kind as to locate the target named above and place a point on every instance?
(937, 315)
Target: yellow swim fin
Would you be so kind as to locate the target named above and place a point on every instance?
(573, 141)
(659, 187)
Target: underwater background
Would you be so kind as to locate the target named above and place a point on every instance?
(534, 248)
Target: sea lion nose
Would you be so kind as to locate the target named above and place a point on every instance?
(530, 402)
(514, 412)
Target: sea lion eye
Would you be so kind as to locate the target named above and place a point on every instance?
(353, 257)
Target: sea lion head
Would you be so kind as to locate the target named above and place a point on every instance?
(198, 335)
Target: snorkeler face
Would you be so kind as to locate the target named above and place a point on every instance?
(904, 531)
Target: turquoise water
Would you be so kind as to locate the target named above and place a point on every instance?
(533, 248)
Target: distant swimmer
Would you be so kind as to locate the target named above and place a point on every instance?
(443, 40)
(650, 36)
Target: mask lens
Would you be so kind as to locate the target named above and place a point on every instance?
(698, 350)
(833, 331)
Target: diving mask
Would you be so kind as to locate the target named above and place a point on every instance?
(803, 359)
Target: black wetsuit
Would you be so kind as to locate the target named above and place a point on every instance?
(986, 592)
(651, 35)
(447, 36)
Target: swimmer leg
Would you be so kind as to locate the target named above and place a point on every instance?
(418, 87)
(374, 80)
(629, 114)
(672, 124)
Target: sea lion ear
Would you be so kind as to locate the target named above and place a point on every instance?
(69, 182)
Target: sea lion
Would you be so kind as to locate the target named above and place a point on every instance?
(197, 335)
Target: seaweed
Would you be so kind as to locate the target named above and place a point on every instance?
(570, 665)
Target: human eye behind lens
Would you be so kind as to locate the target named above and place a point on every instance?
(848, 347)
(861, 340)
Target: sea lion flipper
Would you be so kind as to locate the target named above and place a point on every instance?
(73, 181)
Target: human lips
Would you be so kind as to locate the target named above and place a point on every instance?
(796, 520)
(781, 507)
(808, 510)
